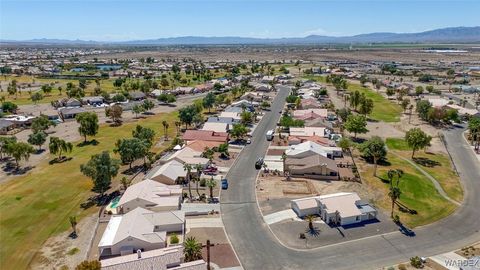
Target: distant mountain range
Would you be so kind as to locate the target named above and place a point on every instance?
(444, 35)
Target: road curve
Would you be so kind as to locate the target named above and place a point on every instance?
(257, 248)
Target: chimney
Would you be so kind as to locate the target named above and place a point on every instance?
(139, 253)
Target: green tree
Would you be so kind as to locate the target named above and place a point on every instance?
(208, 101)
(73, 224)
(9, 107)
(4, 145)
(395, 191)
(192, 249)
(287, 122)
(246, 117)
(366, 106)
(419, 90)
(59, 146)
(188, 169)
(115, 113)
(356, 124)
(145, 134)
(223, 150)
(211, 184)
(130, 150)
(238, 131)
(147, 105)
(186, 115)
(88, 124)
(355, 99)
(430, 88)
(126, 182)
(89, 265)
(38, 139)
(36, 97)
(423, 107)
(165, 129)
(137, 109)
(474, 127)
(19, 151)
(417, 139)
(310, 219)
(405, 103)
(40, 123)
(101, 168)
(374, 149)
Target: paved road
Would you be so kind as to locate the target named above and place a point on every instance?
(257, 248)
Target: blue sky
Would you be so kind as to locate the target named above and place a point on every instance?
(108, 20)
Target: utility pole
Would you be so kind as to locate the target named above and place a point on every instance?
(208, 255)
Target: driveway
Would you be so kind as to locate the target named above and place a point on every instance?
(258, 248)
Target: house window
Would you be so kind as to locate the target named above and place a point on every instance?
(357, 218)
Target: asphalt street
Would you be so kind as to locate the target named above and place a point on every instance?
(257, 247)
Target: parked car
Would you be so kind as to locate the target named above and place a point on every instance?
(249, 141)
(224, 183)
(210, 170)
(259, 163)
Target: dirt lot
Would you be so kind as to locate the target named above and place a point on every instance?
(306, 53)
(221, 253)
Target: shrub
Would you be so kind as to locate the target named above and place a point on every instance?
(416, 262)
(203, 182)
(402, 267)
(174, 239)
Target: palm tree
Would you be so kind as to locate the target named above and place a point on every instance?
(395, 191)
(199, 169)
(165, 128)
(73, 223)
(192, 249)
(178, 124)
(310, 219)
(211, 184)
(188, 168)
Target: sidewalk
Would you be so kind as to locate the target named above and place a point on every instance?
(449, 260)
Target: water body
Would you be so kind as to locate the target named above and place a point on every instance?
(109, 67)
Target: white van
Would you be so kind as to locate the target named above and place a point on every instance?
(269, 135)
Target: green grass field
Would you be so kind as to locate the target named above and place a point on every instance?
(418, 193)
(38, 205)
(437, 165)
(383, 110)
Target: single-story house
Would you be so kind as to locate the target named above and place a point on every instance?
(467, 88)
(267, 79)
(96, 100)
(309, 148)
(199, 145)
(248, 105)
(19, 120)
(216, 127)
(309, 103)
(294, 140)
(464, 111)
(73, 102)
(137, 95)
(150, 195)
(345, 208)
(189, 156)
(234, 115)
(205, 135)
(315, 166)
(309, 131)
(139, 229)
(169, 173)
(254, 96)
(170, 258)
(319, 122)
(70, 113)
(6, 126)
(261, 87)
(226, 120)
(310, 114)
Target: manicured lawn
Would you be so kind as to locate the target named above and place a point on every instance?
(383, 110)
(437, 165)
(397, 144)
(418, 193)
(36, 206)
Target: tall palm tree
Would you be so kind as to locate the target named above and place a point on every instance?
(165, 128)
(192, 249)
(188, 168)
(178, 124)
(310, 219)
(395, 191)
(199, 169)
(211, 184)
(284, 157)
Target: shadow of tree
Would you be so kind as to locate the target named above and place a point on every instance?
(426, 162)
(403, 208)
(315, 231)
(91, 142)
(60, 160)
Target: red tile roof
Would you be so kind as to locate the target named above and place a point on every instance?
(205, 135)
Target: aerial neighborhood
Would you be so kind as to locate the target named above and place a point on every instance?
(234, 153)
